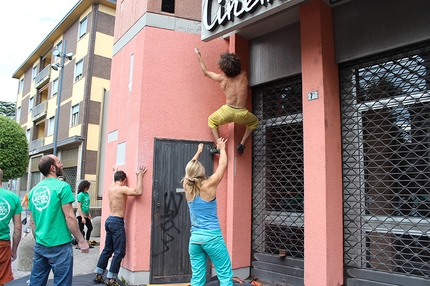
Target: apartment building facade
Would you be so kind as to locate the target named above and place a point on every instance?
(69, 71)
(333, 189)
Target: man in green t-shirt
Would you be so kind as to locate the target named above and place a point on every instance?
(52, 219)
(10, 209)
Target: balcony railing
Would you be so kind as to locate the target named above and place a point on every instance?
(43, 77)
(33, 145)
(39, 111)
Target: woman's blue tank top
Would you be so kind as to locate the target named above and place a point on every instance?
(203, 214)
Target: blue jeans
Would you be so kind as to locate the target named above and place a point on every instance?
(58, 258)
(114, 244)
(204, 243)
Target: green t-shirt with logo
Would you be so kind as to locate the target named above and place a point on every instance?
(10, 205)
(45, 202)
(84, 199)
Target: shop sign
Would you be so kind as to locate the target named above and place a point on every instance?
(228, 10)
(222, 16)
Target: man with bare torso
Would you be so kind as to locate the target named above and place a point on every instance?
(234, 82)
(114, 225)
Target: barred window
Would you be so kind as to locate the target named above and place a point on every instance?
(386, 161)
(278, 187)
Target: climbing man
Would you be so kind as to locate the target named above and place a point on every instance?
(234, 82)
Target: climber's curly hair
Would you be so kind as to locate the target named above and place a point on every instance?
(230, 64)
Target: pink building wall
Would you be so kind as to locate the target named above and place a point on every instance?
(128, 12)
(239, 189)
(171, 98)
(322, 149)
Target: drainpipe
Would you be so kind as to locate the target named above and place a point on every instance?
(88, 87)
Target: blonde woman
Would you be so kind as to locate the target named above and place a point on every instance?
(206, 236)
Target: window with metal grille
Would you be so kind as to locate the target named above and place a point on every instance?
(278, 169)
(23, 184)
(35, 179)
(70, 174)
(386, 156)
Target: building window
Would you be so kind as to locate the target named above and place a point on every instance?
(30, 104)
(120, 153)
(21, 85)
(78, 70)
(82, 27)
(18, 113)
(34, 73)
(27, 134)
(58, 47)
(130, 80)
(54, 87)
(74, 119)
(51, 125)
(168, 6)
(112, 136)
(385, 103)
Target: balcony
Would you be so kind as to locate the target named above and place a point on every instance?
(39, 112)
(43, 77)
(34, 145)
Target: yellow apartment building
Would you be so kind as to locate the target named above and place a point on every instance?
(63, 87)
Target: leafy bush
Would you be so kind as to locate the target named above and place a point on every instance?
(13, 149)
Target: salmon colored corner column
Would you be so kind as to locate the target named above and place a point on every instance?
(322, 148)
(239, 175)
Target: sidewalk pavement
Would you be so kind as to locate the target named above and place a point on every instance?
(83, 267)
(79, 280)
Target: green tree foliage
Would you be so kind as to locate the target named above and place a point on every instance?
(13, 149)
(7, 109)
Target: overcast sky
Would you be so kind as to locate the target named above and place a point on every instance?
(25, 24)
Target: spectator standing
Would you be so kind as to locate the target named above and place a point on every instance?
(10, 209)
(24, 205)
(52, 219)
(83, 210)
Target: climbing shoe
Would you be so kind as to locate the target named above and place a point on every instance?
(214, 150)
(112, 282)
(99, 279)
(240, 148)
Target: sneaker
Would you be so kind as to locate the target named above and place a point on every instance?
(240, 148)
(112, 282)
(94, 243)
(99, 279)
(214, 151)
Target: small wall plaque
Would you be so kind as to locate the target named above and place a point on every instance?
(313, 95)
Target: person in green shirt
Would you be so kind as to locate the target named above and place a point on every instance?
(10, 209)
(52, 219)
(83, 210)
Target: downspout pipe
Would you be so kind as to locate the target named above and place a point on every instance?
(88, 84)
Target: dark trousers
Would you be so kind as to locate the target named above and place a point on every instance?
(89, 227)
(114, 244)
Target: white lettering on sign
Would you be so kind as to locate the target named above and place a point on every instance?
(228, 10)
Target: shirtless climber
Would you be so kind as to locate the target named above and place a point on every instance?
(234, 82)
